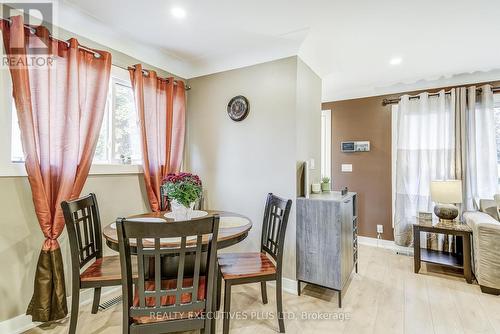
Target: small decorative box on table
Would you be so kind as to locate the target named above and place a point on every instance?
(461, 259)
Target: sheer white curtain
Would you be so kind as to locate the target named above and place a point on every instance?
(479, 160)
(425, 151)
(449, 136)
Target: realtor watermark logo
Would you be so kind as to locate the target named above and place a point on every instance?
(32, 51)
(254, 315)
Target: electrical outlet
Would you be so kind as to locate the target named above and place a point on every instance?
(380, 228)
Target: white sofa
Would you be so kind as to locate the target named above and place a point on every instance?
(486, 250)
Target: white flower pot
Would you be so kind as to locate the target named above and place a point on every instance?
(180, 211)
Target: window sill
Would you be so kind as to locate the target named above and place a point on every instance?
(112, 169)
(13, 169)
(16, 169)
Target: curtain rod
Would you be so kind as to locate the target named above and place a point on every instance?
(396, 101)
(146, 72)
(84, 48)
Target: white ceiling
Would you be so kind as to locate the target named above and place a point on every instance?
(348, 43)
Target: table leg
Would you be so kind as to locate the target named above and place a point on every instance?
(416, 249)
(467, 258)
(459, 246)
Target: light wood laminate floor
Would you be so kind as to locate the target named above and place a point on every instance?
(384, 297)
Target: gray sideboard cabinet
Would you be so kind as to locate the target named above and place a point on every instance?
(327, 240)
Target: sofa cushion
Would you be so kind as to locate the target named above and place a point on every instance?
(489, 207)
(497, 201)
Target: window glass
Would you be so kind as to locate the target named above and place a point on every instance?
(16, 152)
(119, 139)
(125, 128)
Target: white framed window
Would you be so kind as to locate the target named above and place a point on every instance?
(118, 149)
(119, 140)
(326, 143)
(16, 151)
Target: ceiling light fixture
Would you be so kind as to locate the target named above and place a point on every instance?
(396, 61)
(178, 12)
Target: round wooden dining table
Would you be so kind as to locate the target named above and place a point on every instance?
(233, 228)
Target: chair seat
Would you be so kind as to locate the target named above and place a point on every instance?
(245, 265)
(169, 300)
(106, 268)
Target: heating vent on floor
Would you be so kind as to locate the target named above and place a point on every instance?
(110, 303)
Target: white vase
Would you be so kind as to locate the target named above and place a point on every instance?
(180, 211)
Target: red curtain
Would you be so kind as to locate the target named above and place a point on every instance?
(161, 107)
(60, 110)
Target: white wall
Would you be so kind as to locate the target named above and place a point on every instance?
(240, 162)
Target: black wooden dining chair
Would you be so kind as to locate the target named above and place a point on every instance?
(85, 240)
(243, 268)
(160, 304)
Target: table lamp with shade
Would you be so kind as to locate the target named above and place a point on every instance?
(446, 194)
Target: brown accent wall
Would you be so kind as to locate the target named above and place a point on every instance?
(371, 177)
(365, 119)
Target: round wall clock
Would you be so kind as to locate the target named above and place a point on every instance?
(238, 108)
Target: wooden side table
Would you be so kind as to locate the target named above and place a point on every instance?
(461, 259)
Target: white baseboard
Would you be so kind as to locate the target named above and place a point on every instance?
(23, 322)
(18, 324)
(289, 285)
(387, 244)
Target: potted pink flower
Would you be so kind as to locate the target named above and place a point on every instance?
(183, 190)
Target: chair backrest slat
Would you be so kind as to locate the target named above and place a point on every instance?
(157, 269)
(157, 294)
(84, 230)
(91, 231)
(140, 264)
(78, 236)
(197, 264)
(83, 221)
(274, 226)
(180, 271)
